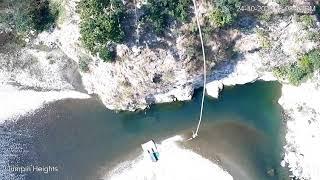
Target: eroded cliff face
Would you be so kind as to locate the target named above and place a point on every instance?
(151, 69)
(169, 68)
(165, 69)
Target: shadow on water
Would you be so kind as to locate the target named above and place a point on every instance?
(84, 140)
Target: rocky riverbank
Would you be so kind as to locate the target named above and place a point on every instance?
(301, 105)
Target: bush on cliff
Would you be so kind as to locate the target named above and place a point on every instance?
(26, 15)
(296, 73)
(224, 12)
(159, 12)
(101, 25)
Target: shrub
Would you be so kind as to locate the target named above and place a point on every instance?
(299, 71)
(26, 15)
(159, 12)
(101, 25)
(263, 37)
(193, 28)
(207, 32)
(314, 36)
(84, 64)
(308, 21)
(314, 57)
(224, 13)
(293, 73)
(58, 10)
(106, 54)
(305, 64)
(296, 74)
(280, 71)
(22, 22)
(43, 15)
(219, 18)
(265, 16)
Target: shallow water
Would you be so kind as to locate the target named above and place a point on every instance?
(241, 131)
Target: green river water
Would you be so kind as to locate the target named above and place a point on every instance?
(242, 131)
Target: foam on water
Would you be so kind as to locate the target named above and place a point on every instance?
(175, 163)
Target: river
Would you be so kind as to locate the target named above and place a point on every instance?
(242, 131)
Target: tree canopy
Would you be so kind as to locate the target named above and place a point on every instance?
(225, 12)
(160, 12)
(101, 25)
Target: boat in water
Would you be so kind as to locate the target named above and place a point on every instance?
(151, 150)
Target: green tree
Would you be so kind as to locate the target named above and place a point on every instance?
(159, 13)
(106, 54)
(308, 21)
(101, 25)
(302, 69)
(314, 57)
(26, 15)
(224, 13)
(220, 18)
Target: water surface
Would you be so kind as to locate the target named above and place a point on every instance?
(241, 131)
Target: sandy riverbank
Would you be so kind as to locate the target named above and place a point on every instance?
(175, 163)
(15, 103)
